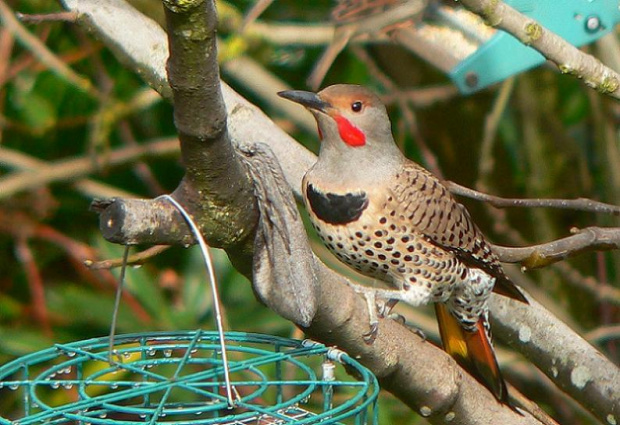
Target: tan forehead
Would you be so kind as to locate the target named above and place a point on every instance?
(344, 96)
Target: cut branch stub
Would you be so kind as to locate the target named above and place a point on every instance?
(141, 221)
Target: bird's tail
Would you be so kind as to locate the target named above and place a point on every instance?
(472, 350)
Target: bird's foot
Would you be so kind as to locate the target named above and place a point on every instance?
(373, 315)
(419, 332)
(379, 302)
(370, 336)
(399, 318)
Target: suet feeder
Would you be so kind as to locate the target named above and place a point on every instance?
(177, 378)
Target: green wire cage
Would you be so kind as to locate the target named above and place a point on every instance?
(177, 378)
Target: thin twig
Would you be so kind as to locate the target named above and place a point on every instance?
(602, 293)
(422, 97)
(37, 18)
(7, 42)
(259, 7)
(491, 124)
(90, 188)
(579, 204)
(42, 53)
(342, 36)
(291, 34)
(35, 283)
(133, 260)
(70, 170)
(603, 333)
(140, 168)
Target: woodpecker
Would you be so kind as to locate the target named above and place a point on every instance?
(389, 218)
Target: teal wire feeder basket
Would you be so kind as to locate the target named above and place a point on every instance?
(178, 378)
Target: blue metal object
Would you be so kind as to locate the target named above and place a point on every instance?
(577, 21)
(176, 378)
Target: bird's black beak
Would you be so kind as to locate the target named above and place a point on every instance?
(308, 99)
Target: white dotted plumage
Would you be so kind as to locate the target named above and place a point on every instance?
(390, 219)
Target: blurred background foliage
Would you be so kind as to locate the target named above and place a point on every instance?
(553, 138)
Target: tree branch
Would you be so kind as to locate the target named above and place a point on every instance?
(584, 240)
(566, 358)
(75, 169)
(216, 188)
(581, 204)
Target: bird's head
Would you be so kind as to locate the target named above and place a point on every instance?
(351, 119)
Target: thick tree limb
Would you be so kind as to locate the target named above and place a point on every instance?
(421, 375)
(217, 189)
(569, 360)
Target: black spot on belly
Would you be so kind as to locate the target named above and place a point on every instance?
(333, 208)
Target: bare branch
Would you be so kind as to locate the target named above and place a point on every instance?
(43, 54)
(603, 293)
(93, 189)
(580, 204)
(134, 259)
(584, 240)
(604, 333)
(491, 125)
(75, 169)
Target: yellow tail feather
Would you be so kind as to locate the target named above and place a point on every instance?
(471, 350)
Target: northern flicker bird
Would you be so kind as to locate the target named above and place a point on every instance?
(388, 218)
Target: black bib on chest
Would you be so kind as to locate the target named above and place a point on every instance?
(336, 209)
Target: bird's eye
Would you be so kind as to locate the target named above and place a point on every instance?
(356, 106)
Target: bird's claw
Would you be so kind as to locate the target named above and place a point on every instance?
(371, 335)
(399, 318)
(380, 303)
(384, 305)
(419, 332)
(381, 308)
